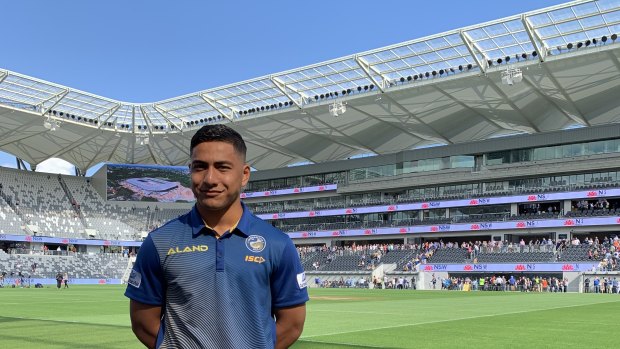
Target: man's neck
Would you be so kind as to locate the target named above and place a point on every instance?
(222, 221)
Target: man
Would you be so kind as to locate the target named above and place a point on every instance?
(58, 280)
(217, 276)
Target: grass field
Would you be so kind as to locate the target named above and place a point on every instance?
(97, 317)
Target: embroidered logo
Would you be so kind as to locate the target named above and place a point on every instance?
(255, 243)
(135, 279)
(301, 280)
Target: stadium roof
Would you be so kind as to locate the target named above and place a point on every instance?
(540, 71)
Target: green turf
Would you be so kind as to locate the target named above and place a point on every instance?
(97, 317)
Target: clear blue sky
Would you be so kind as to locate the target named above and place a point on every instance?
(145, 51)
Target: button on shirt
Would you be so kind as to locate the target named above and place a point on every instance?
(217, 293)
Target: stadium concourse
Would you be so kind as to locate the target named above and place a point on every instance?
(484, 152)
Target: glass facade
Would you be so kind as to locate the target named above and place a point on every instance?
(555, 152)
(462, 161)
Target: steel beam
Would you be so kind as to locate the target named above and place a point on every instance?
(60, 96)
(214, 106)
(472, 48)
(282, 87)
(366, 68)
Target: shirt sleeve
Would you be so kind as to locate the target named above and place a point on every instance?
(145, 282)
(288, 281)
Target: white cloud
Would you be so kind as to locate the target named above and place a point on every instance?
(55, 165)
(9, 165)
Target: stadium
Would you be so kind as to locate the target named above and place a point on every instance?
(465, 183)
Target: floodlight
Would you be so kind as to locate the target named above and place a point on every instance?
(337, 108)
(511, 76)
(614, 37)
(51, 124)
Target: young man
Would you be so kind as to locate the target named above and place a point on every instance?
(217, 276)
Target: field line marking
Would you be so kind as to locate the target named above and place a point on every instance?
(72, 301)
(63, 321)
(454, 319)
(354, 312)
(355, 345)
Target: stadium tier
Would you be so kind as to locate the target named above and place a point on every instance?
(494, 148)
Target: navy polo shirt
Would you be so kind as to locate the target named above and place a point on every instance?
(217, 293)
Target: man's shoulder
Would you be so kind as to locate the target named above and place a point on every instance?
(172, 226)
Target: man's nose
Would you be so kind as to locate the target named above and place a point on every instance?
(210, 177)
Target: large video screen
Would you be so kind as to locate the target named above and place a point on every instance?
(148, 183)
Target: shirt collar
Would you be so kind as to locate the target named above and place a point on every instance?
(197, 224)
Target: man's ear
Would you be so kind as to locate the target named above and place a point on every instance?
(246, 175)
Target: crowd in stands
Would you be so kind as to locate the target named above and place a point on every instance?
(598, 285)
(18, 267)
(504, 283)
(607, 253)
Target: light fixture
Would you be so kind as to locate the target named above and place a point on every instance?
(51, 124)
(337, 108)
(143, 139)
(512, 76)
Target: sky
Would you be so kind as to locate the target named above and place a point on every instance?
(142, 51)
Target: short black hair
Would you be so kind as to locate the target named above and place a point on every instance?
(219, 133)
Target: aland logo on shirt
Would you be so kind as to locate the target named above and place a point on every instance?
(255, 243)
(187, 249)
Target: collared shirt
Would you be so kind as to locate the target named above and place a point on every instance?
(217, 293)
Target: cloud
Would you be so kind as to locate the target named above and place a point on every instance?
(8, 164)
(55, 165)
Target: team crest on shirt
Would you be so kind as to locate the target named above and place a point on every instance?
(135, 279)
(255, 243)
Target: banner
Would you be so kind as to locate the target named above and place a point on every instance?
(508, 267)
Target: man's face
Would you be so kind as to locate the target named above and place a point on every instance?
(218, 173)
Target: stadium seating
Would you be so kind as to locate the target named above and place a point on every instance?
(83, 266)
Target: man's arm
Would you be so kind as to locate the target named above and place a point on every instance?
(289, 325)
(145, 322)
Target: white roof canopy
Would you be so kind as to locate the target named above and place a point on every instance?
(442, 89)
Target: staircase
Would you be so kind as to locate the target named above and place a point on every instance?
(74, 203)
